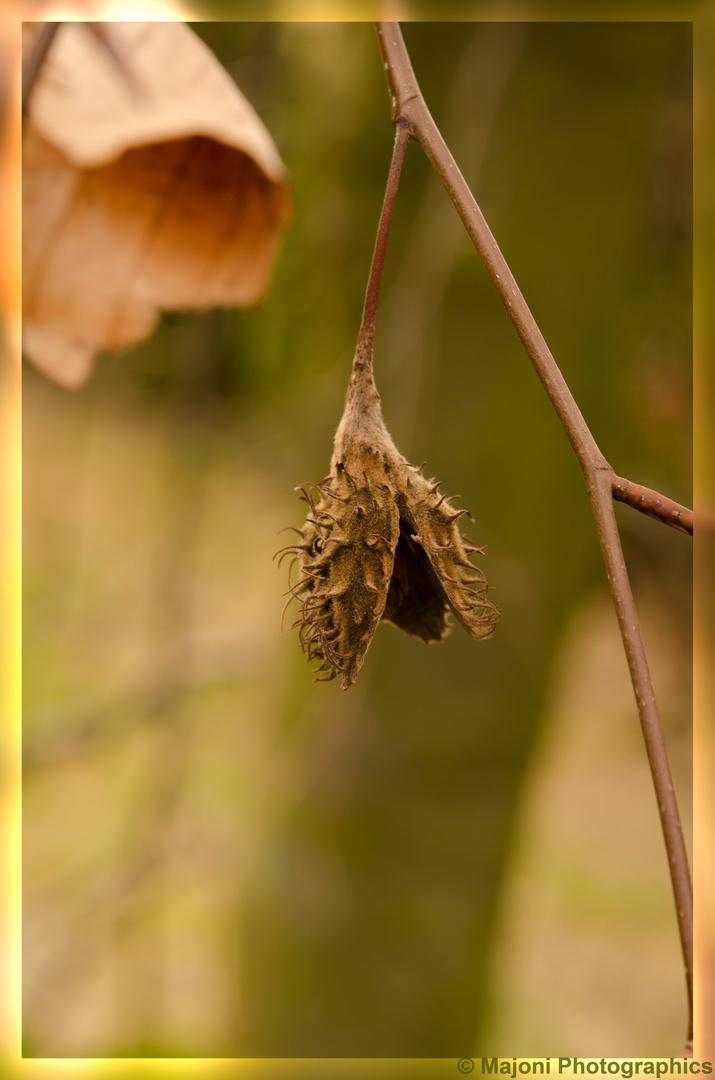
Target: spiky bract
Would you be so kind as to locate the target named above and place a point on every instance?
(380, 542)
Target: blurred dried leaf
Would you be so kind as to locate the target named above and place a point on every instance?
(162, 190)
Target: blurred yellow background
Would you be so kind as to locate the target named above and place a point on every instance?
(461, 853)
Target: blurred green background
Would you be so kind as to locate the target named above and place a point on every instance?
(461, 854)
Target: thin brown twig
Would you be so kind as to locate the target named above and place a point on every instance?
(409, 109)
(367, 325)
(652, 504)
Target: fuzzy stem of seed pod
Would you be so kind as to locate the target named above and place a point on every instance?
(363, 353)
(409, 108)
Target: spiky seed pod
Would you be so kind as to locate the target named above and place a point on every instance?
(379, 542)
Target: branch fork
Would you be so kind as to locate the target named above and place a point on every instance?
(410, 111)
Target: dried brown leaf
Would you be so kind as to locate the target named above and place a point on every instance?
(159, 191)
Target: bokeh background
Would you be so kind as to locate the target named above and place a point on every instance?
(461, 854)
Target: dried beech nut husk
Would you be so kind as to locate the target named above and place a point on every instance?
(380, 542)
